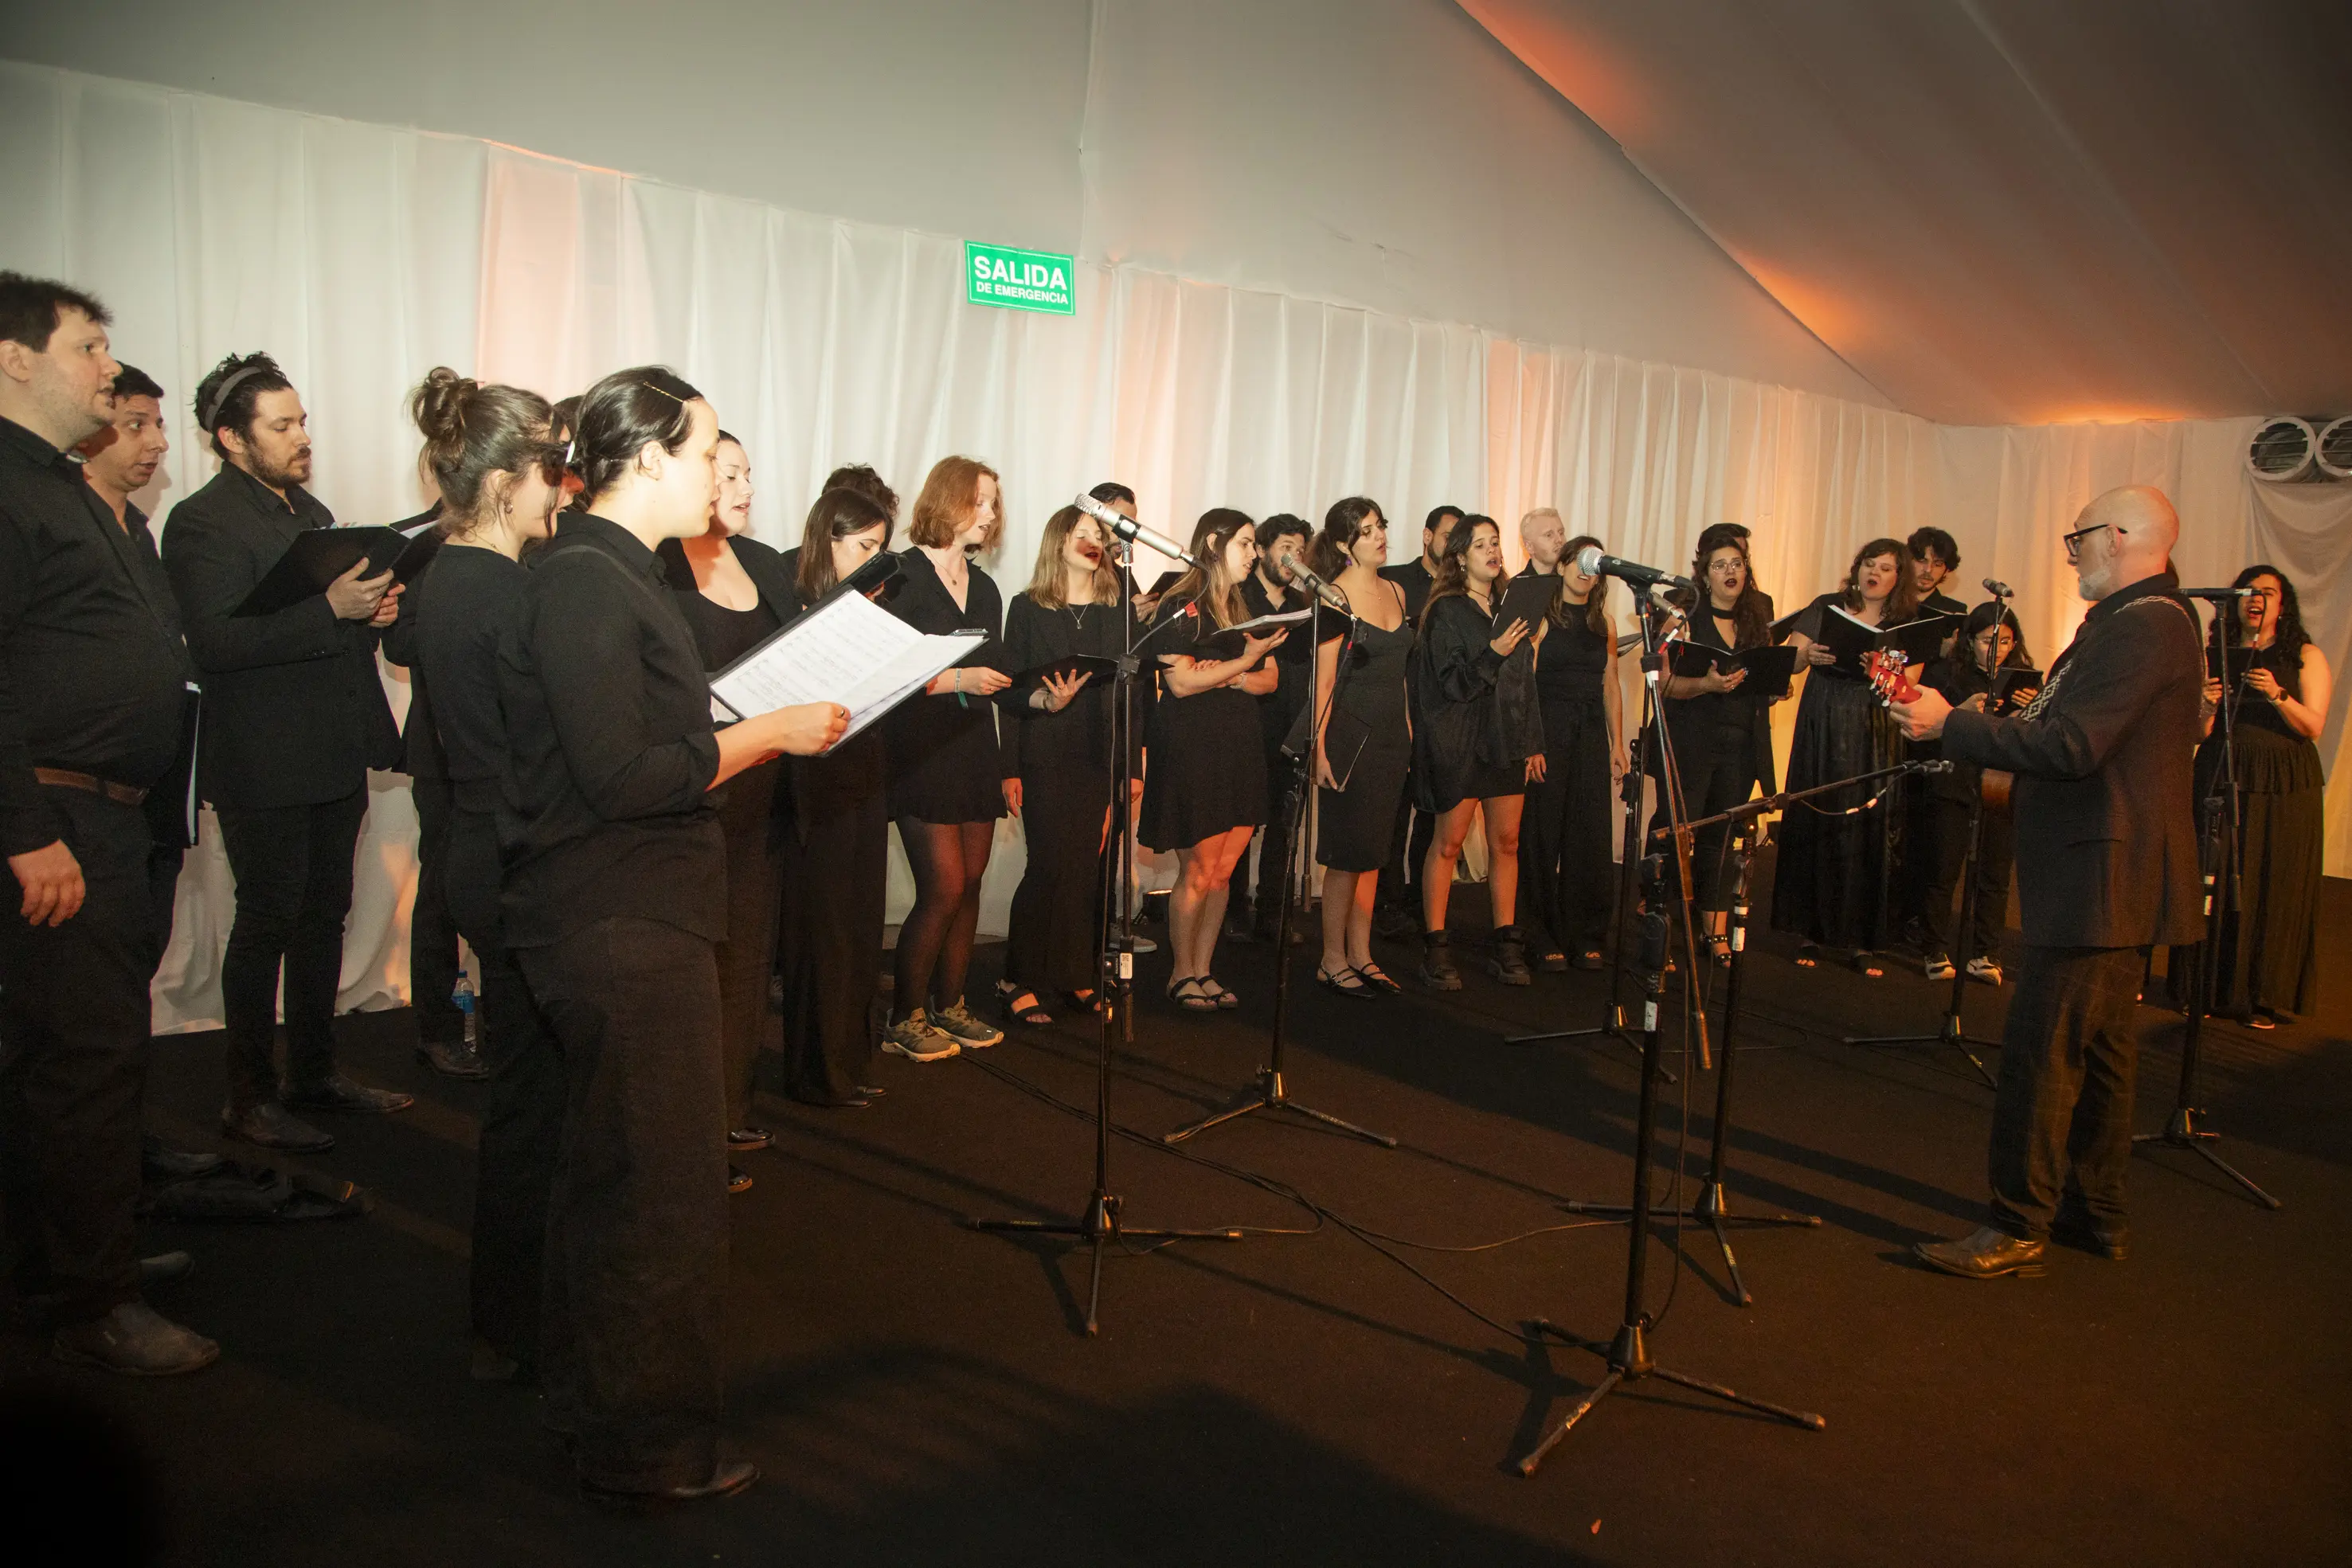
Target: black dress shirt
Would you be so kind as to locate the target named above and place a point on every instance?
(1415, 579)
(93, 673)
(610, 750)
(294, 712)
(1278, 708)
(467, 606)
(420, 741)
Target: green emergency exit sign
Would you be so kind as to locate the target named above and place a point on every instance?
(1018, 279)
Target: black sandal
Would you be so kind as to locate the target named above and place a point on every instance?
(1809, 955)
(1378, 978)
(1718, 948)
(1345, 980)
(1011, 997)
(1197, 1000)
(1219, 994)
(1087, 1001)
(1863, 964)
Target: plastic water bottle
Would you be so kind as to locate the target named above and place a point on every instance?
(463, 996)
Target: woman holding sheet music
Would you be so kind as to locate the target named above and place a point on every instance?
(614, 902)
(735, 593)
(1365, 745)
(947, 775)
(1477, 742)
(834, 843)
(1564, 865)
(1204, 795)
(1058, 767)
(1829, 884)
(1721, 730)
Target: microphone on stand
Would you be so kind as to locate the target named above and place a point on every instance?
(1997, 590)
(1331, 597)
(1592, 563)
(2218, 595)
(1127, 528)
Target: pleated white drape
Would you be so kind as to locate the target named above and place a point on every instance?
(361, 255)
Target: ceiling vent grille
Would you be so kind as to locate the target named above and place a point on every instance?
(2284, 450)
(2336, 449)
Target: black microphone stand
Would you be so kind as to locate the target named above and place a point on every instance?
(1101, 1223)
(1628, 1354)
(2217, 851)
(1270, 1093)
(1950, 1032)
(1629, 861)
(1712, 1209)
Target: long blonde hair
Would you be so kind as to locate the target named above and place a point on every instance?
(1048, 583)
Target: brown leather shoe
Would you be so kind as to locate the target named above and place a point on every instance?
(337, 1092)
(728, 1477)
(2110, 1240)
(1985, 1253)
(452, 1058)
(135, 1340)
(270, 1126)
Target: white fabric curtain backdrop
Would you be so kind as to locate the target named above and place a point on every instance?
(363, 256)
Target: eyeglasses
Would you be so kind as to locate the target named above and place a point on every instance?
(2073, 541)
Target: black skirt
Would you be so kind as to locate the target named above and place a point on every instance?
(2270, 949)
(1206, 772)
(1829, 882)
(1353, 826)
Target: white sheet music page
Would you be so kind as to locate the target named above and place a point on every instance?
(848, 651)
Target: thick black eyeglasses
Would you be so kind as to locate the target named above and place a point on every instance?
(2073, 541)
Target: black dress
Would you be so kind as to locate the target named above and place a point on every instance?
(1941, 818)
(944, 763)
(1564, 863)
(1723, 750)
(2270, 949)
(1473, 727)
(834, 855)
(1064, 762)
(1354, 825)
(1829, 883)
(1278, 712)
(746, 811)
(1208, 769)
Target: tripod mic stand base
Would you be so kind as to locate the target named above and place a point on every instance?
(2182, 1132)
(1100, 1225)
(1628, 1356)
(1270, 1096)
(1949, 1035)
(1713, 1211)
(1616, 1027)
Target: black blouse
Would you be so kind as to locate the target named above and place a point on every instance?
(1080, 736)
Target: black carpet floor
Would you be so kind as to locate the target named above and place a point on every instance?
(917, 1393)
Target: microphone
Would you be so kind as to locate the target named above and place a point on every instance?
(1127, 528)
(1592, 563)
(1997, 590)
(2218, 595)
(1331, 597)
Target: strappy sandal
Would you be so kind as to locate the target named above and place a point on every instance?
(1196, 1001)
(1011, 997)
(1089, 1001)
(1590, 959)
(1867, 967)
(1372, 974)
(1222, 997)
(1345, 980)
(1809, 955)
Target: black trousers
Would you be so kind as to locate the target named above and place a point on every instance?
(1053, 939)
(636, 1237)
(1943, 847)
(433, 966)
(522, 1108)
(73, 1058)
(1566, 873)
(293, 871)
(748, 956)
(1273, 845)
(830, 946)
(2061, 1114)
(1399, 883)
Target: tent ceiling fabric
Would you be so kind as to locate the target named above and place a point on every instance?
(2004, 211)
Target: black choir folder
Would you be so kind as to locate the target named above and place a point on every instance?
(318, 556)
(1527, 599)
(1849, 638)
(1769, 669)
(1030, 681)
(2013, 686)
(1214, 644)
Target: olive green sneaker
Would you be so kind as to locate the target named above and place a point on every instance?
(914, 1038)
(956, 1021)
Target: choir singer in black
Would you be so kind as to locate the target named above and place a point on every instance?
(93, 694)
(2106, 862)
(615, 903)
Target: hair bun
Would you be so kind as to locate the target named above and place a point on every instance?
(440, 407)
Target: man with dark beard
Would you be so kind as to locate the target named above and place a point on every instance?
(294, 717)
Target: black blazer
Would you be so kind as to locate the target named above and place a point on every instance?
(294, 713)
(770, 572)
(2106, 834)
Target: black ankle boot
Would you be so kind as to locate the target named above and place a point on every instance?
(1437, 970)
(1508, 961)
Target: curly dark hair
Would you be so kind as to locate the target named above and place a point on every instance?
(2291, 639)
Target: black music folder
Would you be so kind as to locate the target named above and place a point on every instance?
(1527, 599)
(1228, 643)
(1029, 682)
(1770, 669)
(318, 556)
(2012, 687)
(1850, 638)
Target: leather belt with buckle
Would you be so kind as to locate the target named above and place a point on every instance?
(65, 778)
